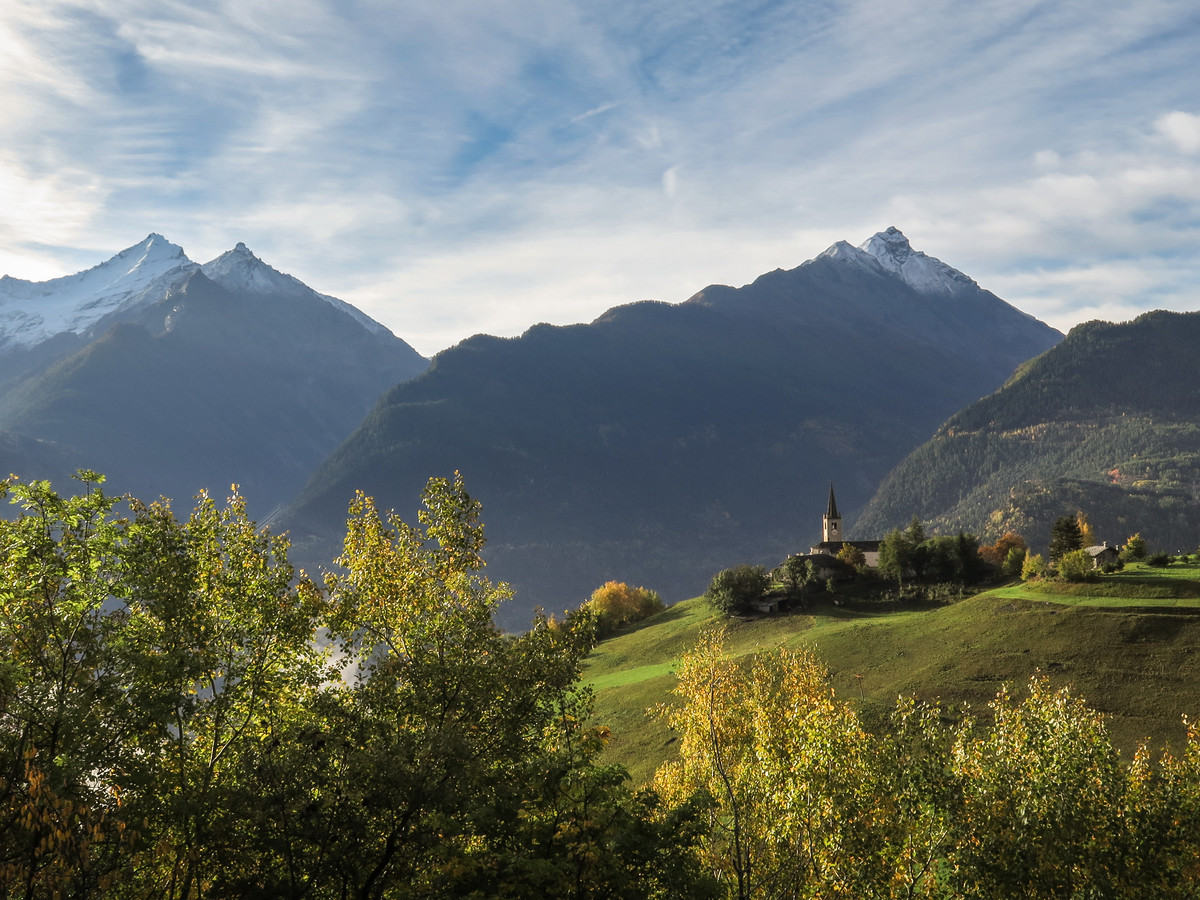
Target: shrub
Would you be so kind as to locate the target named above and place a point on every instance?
(1076, 565)
(1161, 559)
(733, 590)
(1033, 567)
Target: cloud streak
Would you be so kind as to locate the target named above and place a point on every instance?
(541, 161)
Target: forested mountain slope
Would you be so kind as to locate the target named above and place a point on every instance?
(1106, 423)
(662, 442)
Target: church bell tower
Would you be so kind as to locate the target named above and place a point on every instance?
(831, 522)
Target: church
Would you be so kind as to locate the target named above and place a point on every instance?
(832, 540)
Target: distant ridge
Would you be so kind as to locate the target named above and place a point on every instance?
(664, 441)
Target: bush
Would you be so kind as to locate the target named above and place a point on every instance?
(1076, 565)
(615, 604)
(1161, 560)
(733, 590)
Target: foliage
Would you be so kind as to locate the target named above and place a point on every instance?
(1076, 565)
(733, 590)
(1033, 567)
(615, 603)
(997, 554)
(788, 767)
(1087, 534)
(852, 556)
(1161, 559)
(1065, 537)
(182, 717)
(1135, 548)
(1014, 562)
(798, 575)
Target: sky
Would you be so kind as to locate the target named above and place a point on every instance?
(462, 167)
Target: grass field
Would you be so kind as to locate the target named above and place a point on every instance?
(1129, 643)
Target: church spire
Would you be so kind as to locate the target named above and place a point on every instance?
(831, 522)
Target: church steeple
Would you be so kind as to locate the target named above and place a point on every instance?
(831, 522)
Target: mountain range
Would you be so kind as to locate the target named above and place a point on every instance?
(170, 377)
(662, 442)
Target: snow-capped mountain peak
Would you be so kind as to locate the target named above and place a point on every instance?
(892, 250)
(240, 270)
(31, 312)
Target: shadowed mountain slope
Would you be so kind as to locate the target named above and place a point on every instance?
(1106, 423)
(662, 442)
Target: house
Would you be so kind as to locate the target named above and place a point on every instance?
(832, 540)
(1103, 555)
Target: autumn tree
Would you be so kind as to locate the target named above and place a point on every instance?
(997, 554)
(616, 603)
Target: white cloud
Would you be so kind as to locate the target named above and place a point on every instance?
(1182, 129)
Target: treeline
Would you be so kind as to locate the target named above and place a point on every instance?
(184, 716)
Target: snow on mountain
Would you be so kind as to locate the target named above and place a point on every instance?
(891, 251)
(31, 312)
(922, 273)
(239, 270)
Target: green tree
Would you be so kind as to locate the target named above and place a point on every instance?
(1135, 548)
(1076, 565)
(1043, 792)
(852, 556)
(1033, 567)
(1065, 537)
(896, 552)
(733, 590)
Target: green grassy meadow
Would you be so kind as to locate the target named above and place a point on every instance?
(1128, 643)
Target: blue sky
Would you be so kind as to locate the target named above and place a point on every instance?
(464, 167)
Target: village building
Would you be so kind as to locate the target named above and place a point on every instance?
(1103, 555)
(832, 540)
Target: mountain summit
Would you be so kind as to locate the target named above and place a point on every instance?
(170, 377)
(663, 442)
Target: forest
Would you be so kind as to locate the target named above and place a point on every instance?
(184, 715)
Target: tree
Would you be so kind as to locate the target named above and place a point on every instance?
(790, 770)
(1043, 792)
(1087, 534)
(616, 603)
(1033, 567)
(1135, 548)
(896, 552)
(1076, 565)
(1065, 537)
(996, 554)
(852, 556)
(733, 590)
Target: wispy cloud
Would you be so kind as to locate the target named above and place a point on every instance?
(541, 160)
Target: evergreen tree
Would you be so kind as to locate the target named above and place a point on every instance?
(1065, 536)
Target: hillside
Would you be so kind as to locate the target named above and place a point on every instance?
(1105, 422)
(662, 442)
(1130, 645)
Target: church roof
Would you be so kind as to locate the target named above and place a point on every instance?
(832, 512)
